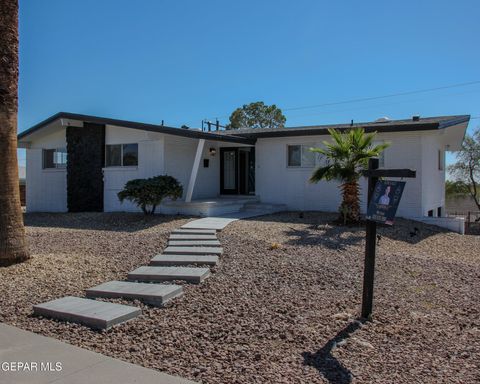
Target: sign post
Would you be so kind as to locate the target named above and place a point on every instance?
(370, 250)
(381, 208)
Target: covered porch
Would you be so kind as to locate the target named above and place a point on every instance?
(220, 178)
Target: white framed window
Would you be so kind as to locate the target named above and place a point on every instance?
(121, 155)
(381, 160)
(441, 160)
(300, 156)
(381, 156)
(54, 158)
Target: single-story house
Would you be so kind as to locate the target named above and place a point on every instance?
(79, 163)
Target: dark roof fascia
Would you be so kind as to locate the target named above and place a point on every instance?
(324, 131)
(369, 127)
(458, 120)
(141, 126)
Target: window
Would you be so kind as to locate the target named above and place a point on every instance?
(300, 156)
(381, 160)
(440, 160)
(381, 156)
(54, 158)
(121, 155)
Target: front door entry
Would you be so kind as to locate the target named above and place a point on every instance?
(237, 171)
(228, 171)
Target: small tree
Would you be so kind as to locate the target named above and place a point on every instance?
(467, 168)
(149, 193)
(346, 157)
(257, 115)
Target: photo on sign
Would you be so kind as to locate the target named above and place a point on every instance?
(384, 203)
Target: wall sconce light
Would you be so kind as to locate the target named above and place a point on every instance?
(213, 151)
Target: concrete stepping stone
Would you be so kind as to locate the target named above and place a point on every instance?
(163, 260)
(153, 294)
(192, 237)
(171, 250)
(194, 231)
(159, 274)
(198, 243)
(93, 314)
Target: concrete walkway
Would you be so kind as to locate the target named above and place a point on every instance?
(220, 222)
(61, 363)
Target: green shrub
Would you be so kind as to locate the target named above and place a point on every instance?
(149, 193)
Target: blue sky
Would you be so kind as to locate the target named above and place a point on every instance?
(182, 61)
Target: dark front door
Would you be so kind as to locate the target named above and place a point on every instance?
(237, 171)
(85, 159)
(228, 171)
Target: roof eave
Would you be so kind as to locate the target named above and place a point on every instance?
(135, 125)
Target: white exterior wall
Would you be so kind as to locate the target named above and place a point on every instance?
(46, 189)
(159, 154)
(150, 163)
(405, 151)
(179, 157)
(277, 183)
(433, 189)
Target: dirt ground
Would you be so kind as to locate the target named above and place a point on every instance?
(282, 307)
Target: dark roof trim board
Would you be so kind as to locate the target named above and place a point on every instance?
(423, 124)
(249, 136)
(194, 134)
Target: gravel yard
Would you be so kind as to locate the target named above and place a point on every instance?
(280, 308)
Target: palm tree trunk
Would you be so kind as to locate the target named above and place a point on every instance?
(13, 246)
(351, 202)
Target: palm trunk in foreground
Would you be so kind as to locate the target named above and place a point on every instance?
(13, 246)
(351, 202)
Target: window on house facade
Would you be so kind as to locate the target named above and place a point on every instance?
(381, 160)
(121, 155)
(440, 160)
(300, 156)
(381, 157)
(54, 158)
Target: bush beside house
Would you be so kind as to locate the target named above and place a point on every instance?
(147, 194)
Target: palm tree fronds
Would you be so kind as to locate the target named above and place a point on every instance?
(347, 155)
(322, 173)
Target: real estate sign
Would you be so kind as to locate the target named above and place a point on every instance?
(385, 200)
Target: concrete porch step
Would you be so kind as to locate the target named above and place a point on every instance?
(160, 274)
(165, 260)
(193, 231)
(153, 294)
(192, 237)
(212, 223)
(264, 207)
(93, 314)
(198, 243)
(170, 250)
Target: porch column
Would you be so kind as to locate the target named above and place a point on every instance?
(196, 166)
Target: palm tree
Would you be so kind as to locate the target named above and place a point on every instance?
(13, 246)
(346, 157)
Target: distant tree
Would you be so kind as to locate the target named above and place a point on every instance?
(456, 188)
(149, 193)
(257, 115)
(13, 243)
(467, 167)
(346, 157)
